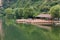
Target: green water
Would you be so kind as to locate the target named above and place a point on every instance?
(30, 32)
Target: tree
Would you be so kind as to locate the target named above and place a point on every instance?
(9, 11)
(10, 17)
(19, 12)
(55, 11)
(25, 12)
(28, 12)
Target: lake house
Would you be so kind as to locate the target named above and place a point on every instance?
(44, 16)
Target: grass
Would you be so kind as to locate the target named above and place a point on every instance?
(30, 32)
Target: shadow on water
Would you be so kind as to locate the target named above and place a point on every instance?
(13, 33)
(29, 32)
(56, 29)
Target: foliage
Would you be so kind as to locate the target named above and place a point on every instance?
(28, 12)
(1, 11)
(36, 6)
(25, 12)
(9, 11)
(19, 12)
(10, 16)
(55, 11)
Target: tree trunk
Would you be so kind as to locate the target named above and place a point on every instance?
(58, 20)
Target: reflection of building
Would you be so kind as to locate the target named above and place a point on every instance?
(44, 16)
(0, 3)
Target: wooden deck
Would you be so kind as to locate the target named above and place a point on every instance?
(38, 21)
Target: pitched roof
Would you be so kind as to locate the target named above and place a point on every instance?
(44, 15)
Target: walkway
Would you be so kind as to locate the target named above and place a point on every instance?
(37, 22)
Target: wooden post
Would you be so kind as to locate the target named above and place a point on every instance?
(1, 30)
(0, 3)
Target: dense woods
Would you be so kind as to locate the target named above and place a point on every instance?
(30, 8)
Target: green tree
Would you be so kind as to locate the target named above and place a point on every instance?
(55, 11)
(25, 12)
(28, 12)
(10, 17)
(19, 12)
(9, 11)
